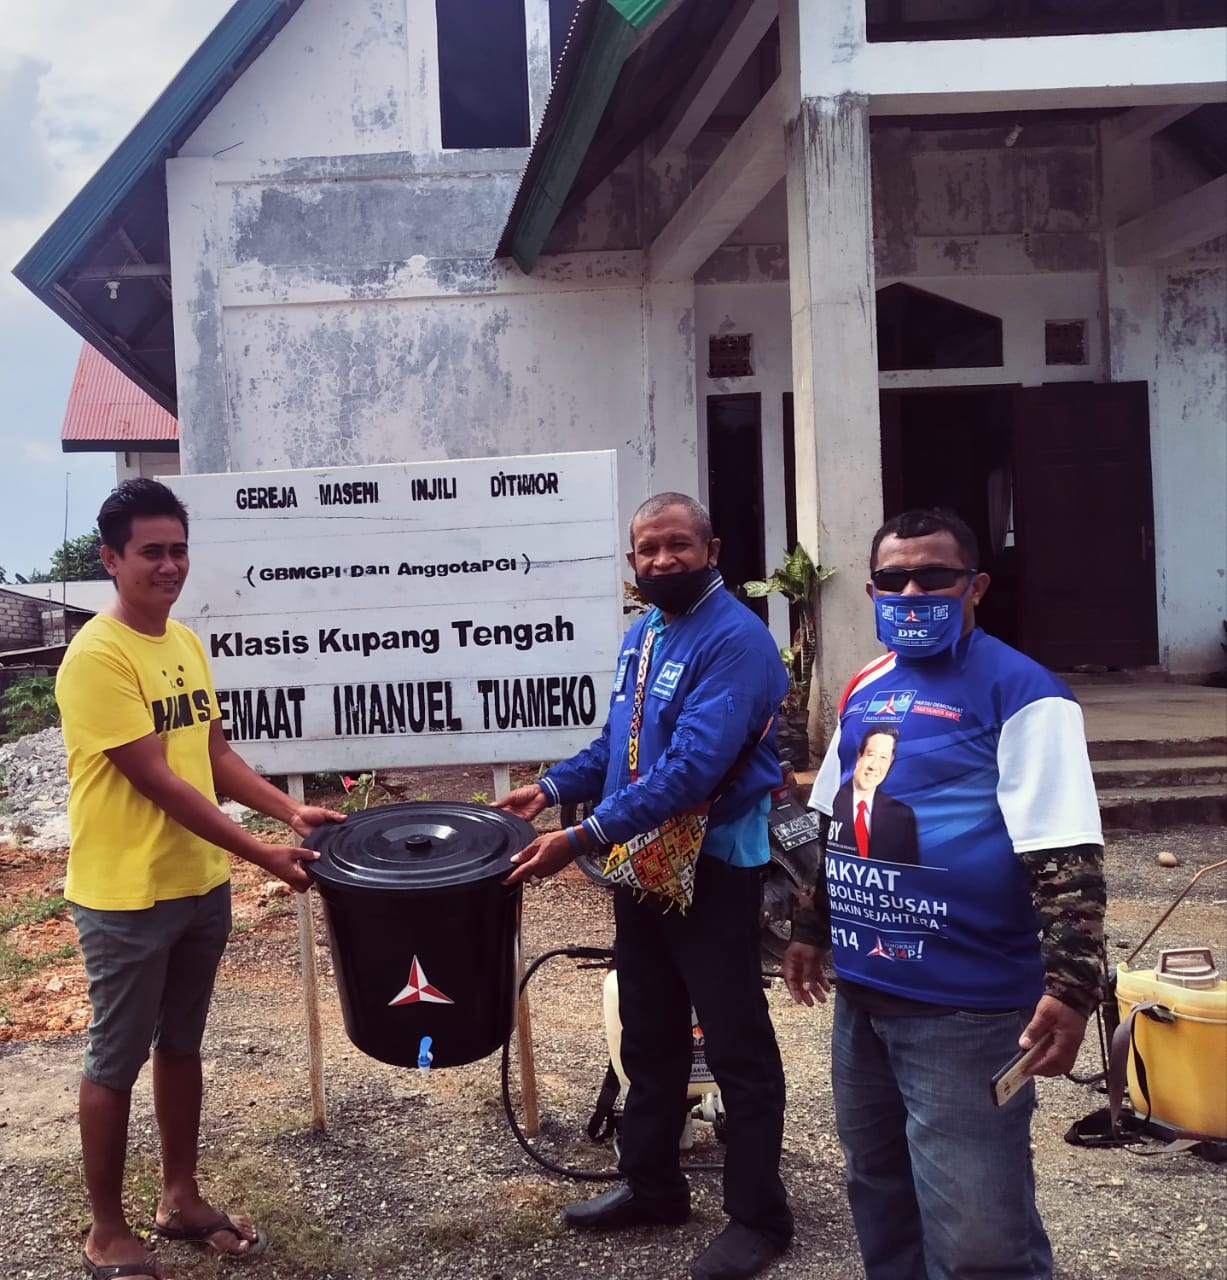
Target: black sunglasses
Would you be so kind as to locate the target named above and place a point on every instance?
(929, 577)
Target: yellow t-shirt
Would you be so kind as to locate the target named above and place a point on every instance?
(115, 686)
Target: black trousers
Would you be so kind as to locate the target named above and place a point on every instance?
(708, 957)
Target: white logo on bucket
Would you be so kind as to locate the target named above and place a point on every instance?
(418, 989)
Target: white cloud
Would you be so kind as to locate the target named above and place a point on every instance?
(42, 452)
(75, 78)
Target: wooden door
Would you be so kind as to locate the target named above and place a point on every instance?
(1085, 525)
(735, 488)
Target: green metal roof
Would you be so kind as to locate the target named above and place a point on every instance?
(601, 39)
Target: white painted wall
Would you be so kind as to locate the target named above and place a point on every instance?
(130, 466)
(1116, 69)
(1168, 326)
(336, 80)
(1189, 431)
(760, 310)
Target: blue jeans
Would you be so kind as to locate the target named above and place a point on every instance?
(940, 1179)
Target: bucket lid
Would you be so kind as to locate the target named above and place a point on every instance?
(417, 846)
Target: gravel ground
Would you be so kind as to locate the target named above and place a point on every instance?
(420, 1176)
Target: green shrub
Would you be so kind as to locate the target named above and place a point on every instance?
(28, 705)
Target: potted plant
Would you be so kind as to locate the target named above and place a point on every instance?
(797, 579)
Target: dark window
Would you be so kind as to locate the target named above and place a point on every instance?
(729, 356)
(735, 489)
(1065, 342)
(562, 14)
(974, 19)
(919, 330)
(483, 73)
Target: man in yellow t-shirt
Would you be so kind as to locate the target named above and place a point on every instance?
(148, 876)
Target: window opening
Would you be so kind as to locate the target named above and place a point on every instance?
(919, 330)
(1065, 342)
(483, 73)
(729, 355)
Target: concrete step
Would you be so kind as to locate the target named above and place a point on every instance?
(1153, 808)
(1168, 771)
(1147, 748)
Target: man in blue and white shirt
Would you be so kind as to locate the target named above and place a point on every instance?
(985, 936)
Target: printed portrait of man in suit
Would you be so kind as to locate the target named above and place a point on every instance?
(881, 826)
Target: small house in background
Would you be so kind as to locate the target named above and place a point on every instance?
(815, 262)
(35, 630)
(108, 413)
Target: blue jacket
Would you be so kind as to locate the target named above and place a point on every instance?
(715, 680)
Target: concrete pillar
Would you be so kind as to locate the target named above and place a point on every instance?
(835, 378)
(666, 447)
(540, 60)
(425, 129)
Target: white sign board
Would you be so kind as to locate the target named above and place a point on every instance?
(409, 614)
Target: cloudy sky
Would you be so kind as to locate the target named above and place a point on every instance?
(75, 76)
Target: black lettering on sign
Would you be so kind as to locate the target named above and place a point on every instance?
(266, 497)
(435, 490)
(540, 702)
(349, 493)
(522, 635)
(235, 644)
(334, 640)
(253, 715)
(523, 484)
(420, 706)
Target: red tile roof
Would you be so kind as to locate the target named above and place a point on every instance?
(107, 410)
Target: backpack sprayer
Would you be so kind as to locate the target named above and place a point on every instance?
(791, 873)
(1163, 1040)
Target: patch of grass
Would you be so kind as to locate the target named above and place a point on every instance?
(14, 965)
(260, 824)
(305, 1245)
(480, 797)
(141, 1193)
(442, 1232)
(31, 910)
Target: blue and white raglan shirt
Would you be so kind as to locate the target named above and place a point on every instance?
(714, 683)
(991, 758)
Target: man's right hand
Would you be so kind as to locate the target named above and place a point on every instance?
(285, 862)
(523, 802)
(804, 972)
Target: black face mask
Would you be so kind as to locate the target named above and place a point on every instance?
(674, 592)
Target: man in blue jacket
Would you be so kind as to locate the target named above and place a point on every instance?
(714, 684)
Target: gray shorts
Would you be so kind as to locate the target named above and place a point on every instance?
(150, 978)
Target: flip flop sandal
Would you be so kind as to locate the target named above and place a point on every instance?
(200, 1236)
(114, 1270)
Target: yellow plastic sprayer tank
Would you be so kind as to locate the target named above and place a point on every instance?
(1186, 1058)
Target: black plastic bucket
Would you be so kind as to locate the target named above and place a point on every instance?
(424, 935)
